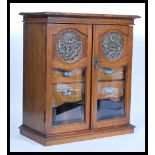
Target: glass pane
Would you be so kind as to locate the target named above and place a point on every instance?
(111, 93)
(68, 104)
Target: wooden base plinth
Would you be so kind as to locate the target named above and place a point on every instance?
(75, 136)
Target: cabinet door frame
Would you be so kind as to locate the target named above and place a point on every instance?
(52, 30)
(124, 60)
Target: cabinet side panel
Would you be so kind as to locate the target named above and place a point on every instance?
(129, 73)
(34, 77)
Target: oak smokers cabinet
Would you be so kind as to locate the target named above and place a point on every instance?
(77, 76)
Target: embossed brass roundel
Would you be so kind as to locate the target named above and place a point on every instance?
(69, 47)
(112, 45)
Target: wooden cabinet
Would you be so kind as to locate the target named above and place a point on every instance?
(77, 76)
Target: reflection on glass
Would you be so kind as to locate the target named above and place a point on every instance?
(111, 93)
(108, 109)
(68, 100)
(68, 113)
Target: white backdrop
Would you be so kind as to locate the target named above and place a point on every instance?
(123, 143)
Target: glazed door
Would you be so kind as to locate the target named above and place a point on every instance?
(68, 77)
(111, 75)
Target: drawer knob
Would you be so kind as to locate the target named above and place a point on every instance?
(108, 90)
(67, 92)
(67, 73)
(108, 71)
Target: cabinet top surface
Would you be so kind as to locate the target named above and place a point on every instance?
(79, 15)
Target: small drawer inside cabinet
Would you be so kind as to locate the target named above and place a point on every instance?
(64, 76)
(67, 93)
(113, 90)
(111, 74)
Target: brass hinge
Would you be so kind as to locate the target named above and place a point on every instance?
(96, 62)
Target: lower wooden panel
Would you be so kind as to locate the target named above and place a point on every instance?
(73, 137)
